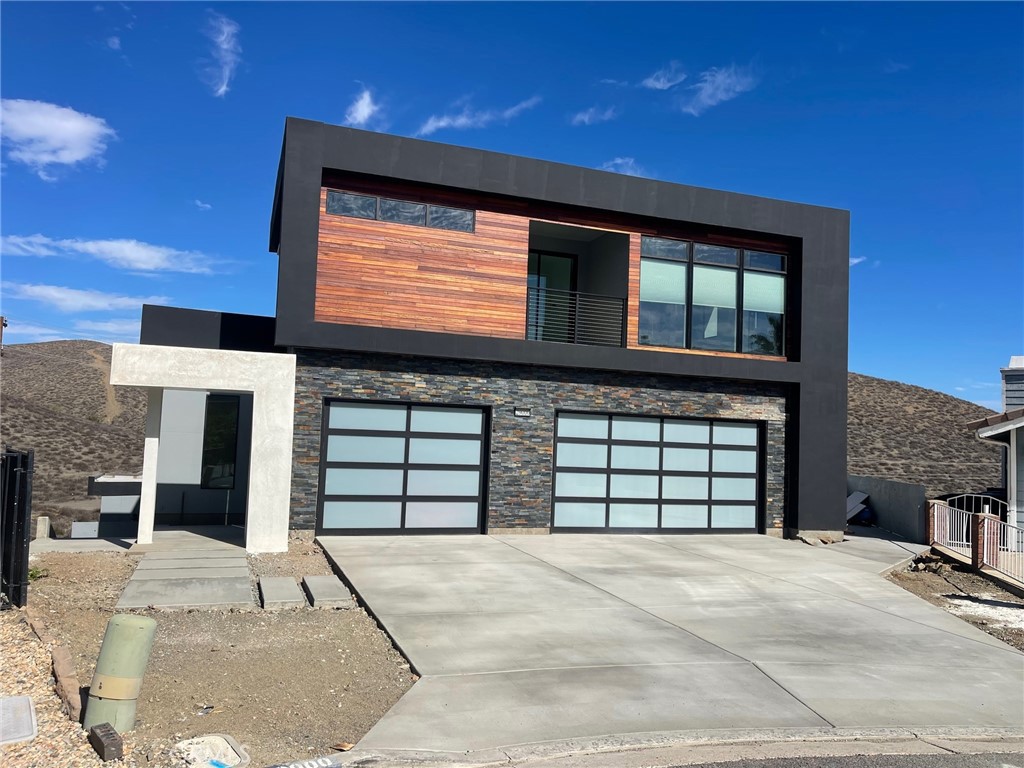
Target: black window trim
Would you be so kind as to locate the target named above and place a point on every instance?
(426, 216)
(741, 268)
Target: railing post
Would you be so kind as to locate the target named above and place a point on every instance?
(985, 543)
(930, 523)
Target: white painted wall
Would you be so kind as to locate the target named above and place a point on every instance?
(181, 436)
(271, 379)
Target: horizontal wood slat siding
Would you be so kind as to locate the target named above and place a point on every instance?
(392, 275)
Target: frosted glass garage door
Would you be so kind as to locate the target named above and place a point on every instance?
(391, 468)
(642, 473)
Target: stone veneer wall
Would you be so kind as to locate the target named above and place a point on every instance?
(519, 493)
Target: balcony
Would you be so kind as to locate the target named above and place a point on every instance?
(572, 317)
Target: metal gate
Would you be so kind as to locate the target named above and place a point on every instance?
(15, 525)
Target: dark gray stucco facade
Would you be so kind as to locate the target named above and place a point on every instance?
(520, 466)
(813, 376)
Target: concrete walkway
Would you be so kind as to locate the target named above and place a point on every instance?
(188, 568)
(587, 639)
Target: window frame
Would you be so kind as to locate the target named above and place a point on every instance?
(377, 211)
(740, 268)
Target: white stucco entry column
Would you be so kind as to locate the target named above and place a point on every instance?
(270, 377)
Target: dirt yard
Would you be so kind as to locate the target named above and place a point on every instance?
(964, 593)
(285, 684)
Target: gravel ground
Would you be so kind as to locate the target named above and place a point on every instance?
(964, 593)
(286, 684)
(26, 672)
(303, 558)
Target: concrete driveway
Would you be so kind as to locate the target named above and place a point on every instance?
(523, 640)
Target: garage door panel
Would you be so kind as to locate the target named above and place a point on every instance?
(633, 515)
(684, 515)
(424, 450)
(367, 416)
(362, 514)
(579, 514)
(363, 482)
(363, 449)
(392, 467)
(625, 472)
(582, 455)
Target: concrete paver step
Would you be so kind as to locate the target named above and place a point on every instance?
(326, 592)
(280, 592)
(191, 573)
(187, 593)
(167, 563)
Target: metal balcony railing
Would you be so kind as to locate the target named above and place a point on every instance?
(572, 317)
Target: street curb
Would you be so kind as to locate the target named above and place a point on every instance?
(615, 750)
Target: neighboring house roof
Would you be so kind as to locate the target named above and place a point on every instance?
(999, 426)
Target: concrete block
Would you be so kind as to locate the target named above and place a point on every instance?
(106, 741)
(85, 530)
(42, 527)
(280, 592)
(326, 592)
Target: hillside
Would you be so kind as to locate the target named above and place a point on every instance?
(54, 398)
(916, 435)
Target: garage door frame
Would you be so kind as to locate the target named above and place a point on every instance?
(760, 450)
(405, 467)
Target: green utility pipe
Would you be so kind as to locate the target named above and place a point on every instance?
(119, 669)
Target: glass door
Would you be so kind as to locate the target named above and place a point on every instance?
(551, 284)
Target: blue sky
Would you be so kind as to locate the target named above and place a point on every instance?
(141, 142)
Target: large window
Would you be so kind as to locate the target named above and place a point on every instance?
(711, 297)
(400, 211)
(220, 442)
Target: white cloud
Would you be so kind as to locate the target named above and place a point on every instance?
(717, 85)
(42, 135)
(855, 260)
(226, 51)
(363, 110)
(624, 165)
(26, 332)
(77, 300)
(665, 78)
(613, 81)
(114, 43)
(594, 115)
(133, 255)
(128, 329)
(470, 118)
(202, 206)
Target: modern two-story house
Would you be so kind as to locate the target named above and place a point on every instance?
(470, 342)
